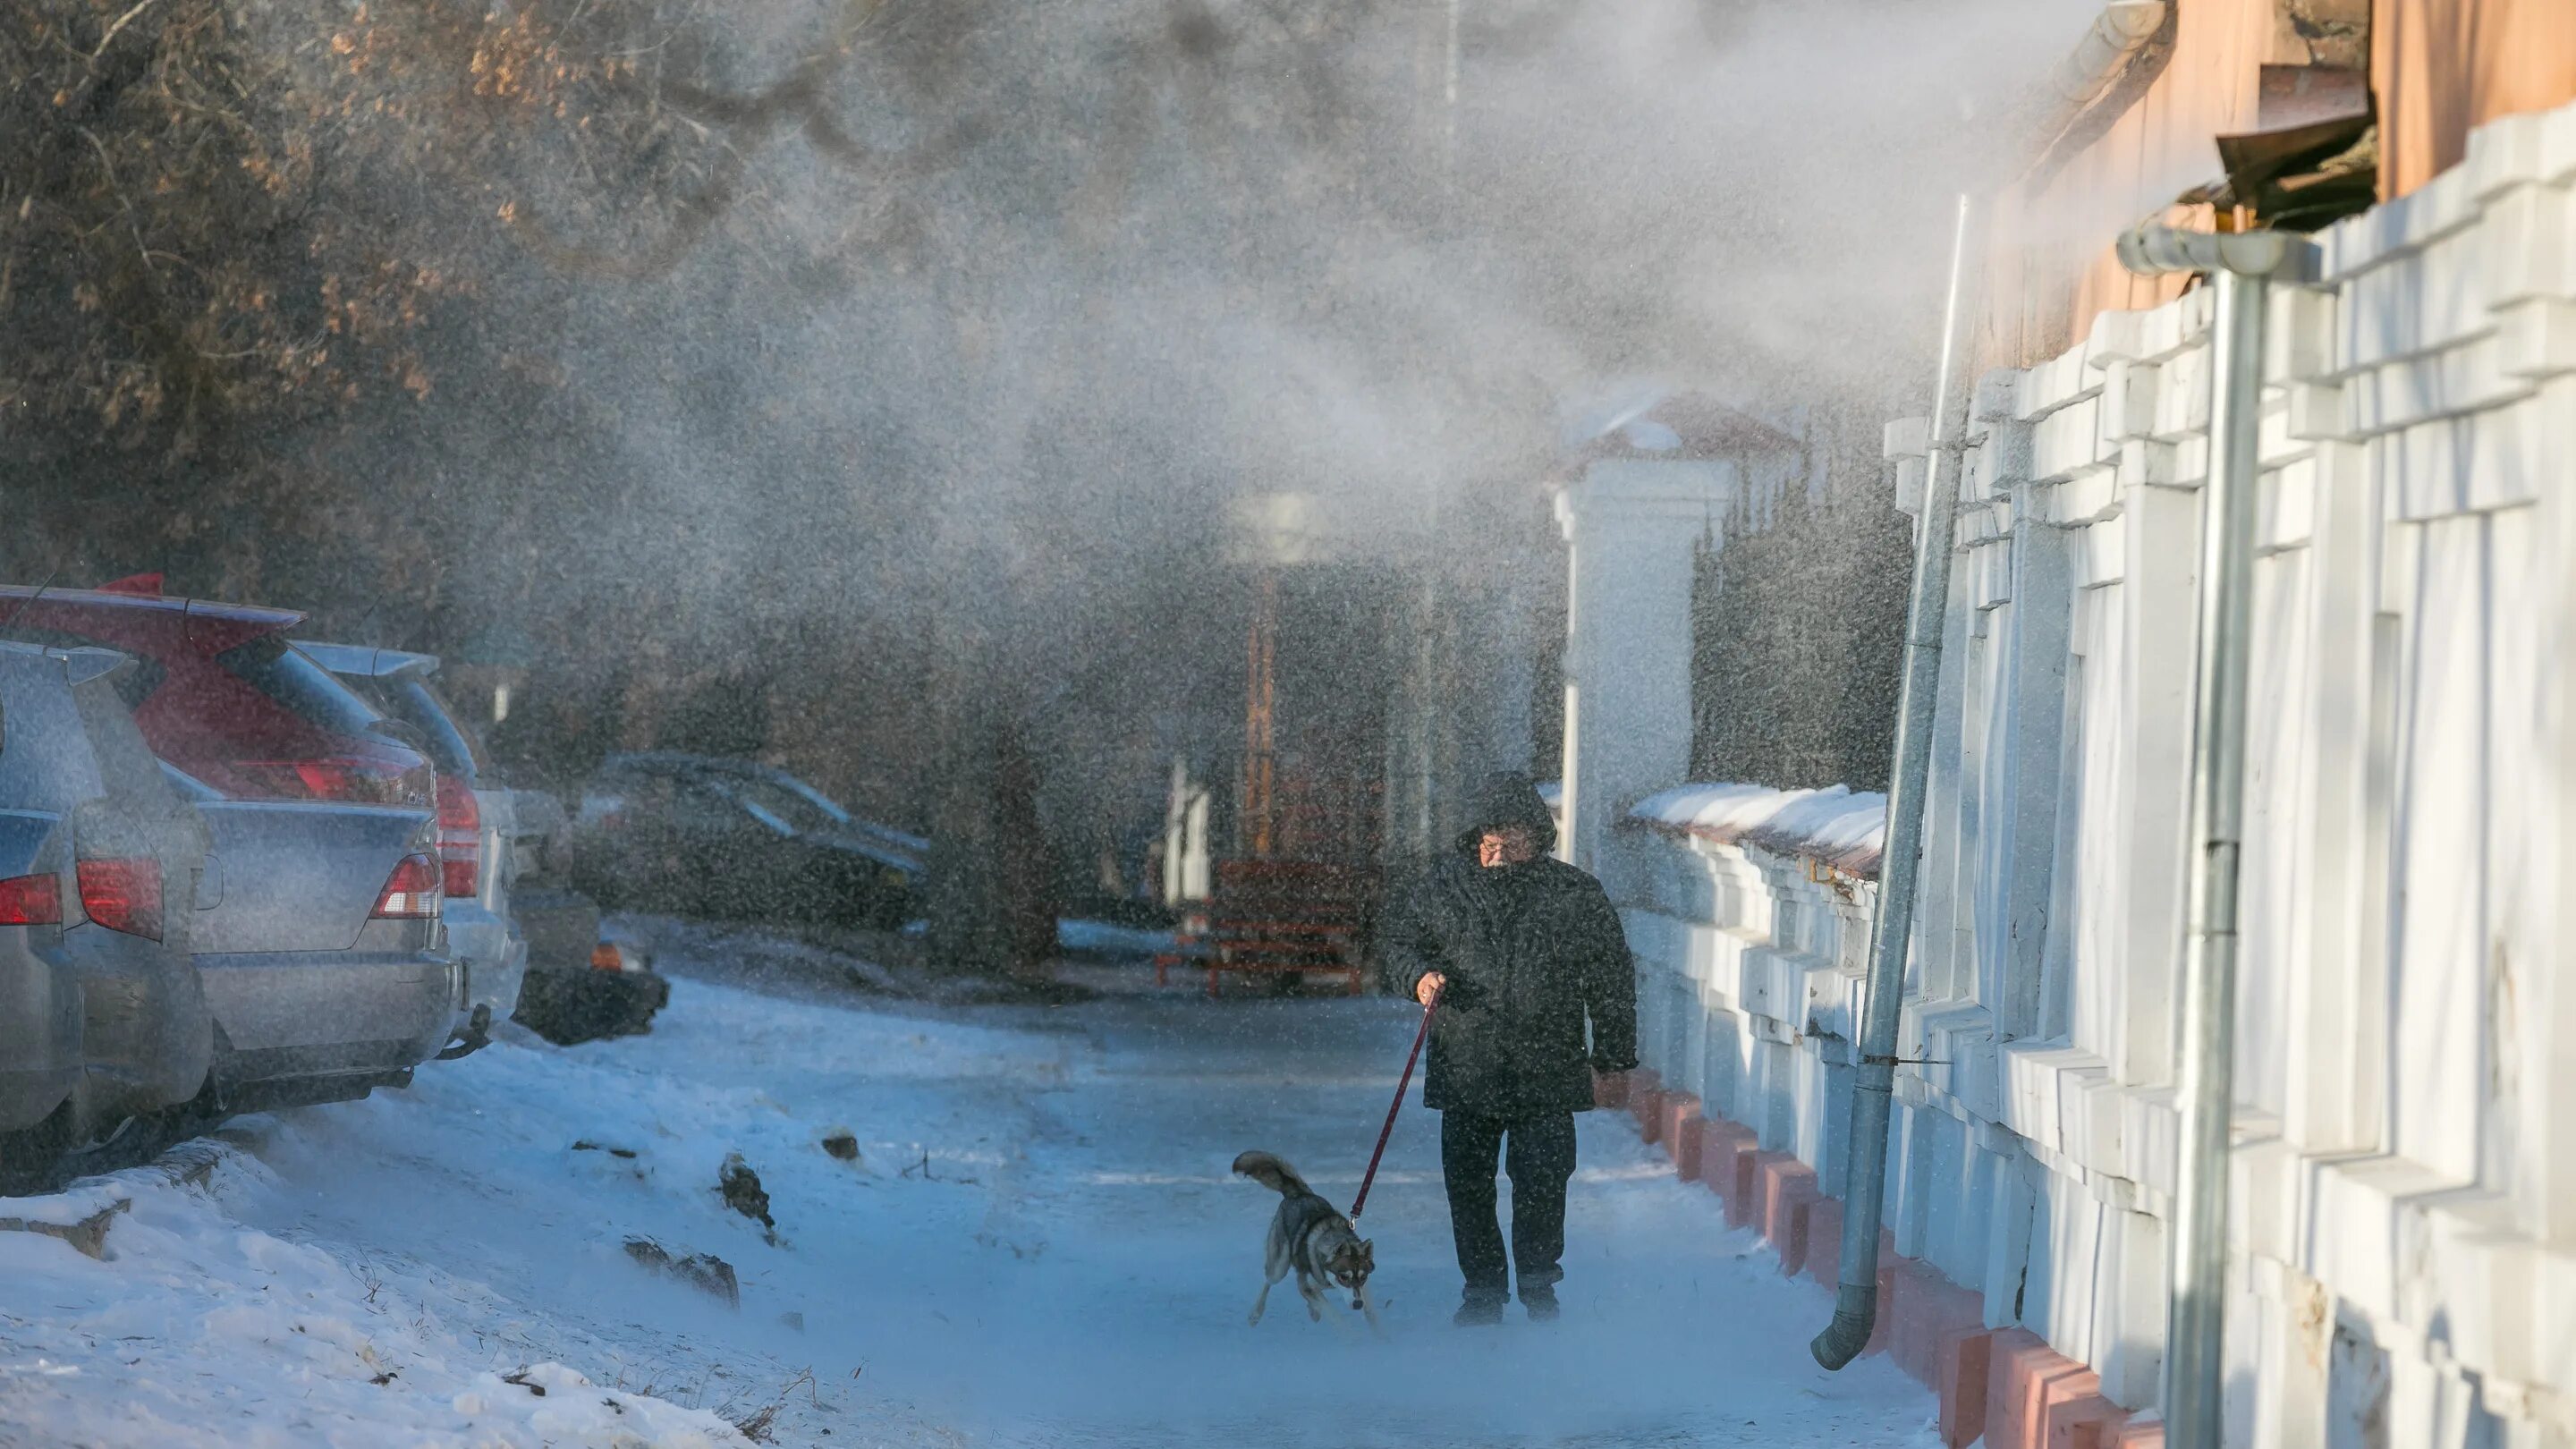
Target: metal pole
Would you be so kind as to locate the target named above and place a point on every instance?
(2242, 266)
(2195, 1318)
(1260, 740)
(1874, 1083)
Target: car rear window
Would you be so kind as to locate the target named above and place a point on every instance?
(134, 683)
(46, 763)
(286, 674)
(801, 814)
(189, 787)
(821, 801)
(452, 747)
(126, 764)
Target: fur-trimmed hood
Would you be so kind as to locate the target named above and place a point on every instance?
(1508, 798)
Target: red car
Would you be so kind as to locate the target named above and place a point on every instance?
(222, 695)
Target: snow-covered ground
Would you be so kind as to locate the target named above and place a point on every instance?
(1040, 1244)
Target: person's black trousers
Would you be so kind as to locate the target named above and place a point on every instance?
(1540, 1158)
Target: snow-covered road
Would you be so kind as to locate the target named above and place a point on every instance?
(1040, 1245)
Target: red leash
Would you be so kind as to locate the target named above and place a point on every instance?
(1396, 1106)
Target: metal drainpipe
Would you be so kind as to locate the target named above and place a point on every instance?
(1874, 1083)
(2243, 266)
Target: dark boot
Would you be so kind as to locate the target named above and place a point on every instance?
(1478, 1311)
(1540, 1301)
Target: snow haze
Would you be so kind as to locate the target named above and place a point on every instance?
(990, 395)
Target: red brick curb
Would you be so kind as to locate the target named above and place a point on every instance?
(1681, 1134)
(2005, 1385)
(1646, 1101)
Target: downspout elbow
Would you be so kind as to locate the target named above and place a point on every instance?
(1855, 1318)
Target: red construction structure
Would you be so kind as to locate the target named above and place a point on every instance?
(1297, 894)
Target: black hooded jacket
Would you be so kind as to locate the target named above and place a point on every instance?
(1529, 952)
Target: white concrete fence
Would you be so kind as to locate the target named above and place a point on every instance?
(2404, 1219)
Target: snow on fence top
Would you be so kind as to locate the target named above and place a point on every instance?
(1833, 825)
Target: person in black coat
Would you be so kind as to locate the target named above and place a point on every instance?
(1520, 951)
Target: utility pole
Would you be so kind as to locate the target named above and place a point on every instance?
(1261, 697)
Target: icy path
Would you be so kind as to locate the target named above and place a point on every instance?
(1041, 1246)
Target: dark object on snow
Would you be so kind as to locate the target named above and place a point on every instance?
(742, 1190)
(698, 1270)
(586, 1146)
(569, 1007)
(579, 988)
(842, 1144)
(1530, 951)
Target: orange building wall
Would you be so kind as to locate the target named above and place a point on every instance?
(2442, 68)
(2053, 271)
(2439, 68)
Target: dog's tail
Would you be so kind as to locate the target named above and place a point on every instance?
(1271, 1173)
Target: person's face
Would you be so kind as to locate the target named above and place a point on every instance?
(1507, 845)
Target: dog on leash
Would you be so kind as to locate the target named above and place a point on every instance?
(1311, 1238)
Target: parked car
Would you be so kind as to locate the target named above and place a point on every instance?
(765, 782)
(736, 840)
(474, 825)
(218, 691)
(320, 946)
(103, 1019)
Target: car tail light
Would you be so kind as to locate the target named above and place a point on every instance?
(356, 781)
(411, 893)
(460, 835)
(122, 895)
(606, 957)
(31, 900)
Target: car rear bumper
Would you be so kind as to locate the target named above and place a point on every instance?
(495, 956)
(144, 1037)
(300, 1013)
(40, 1033)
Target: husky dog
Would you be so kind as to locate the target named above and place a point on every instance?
(1311, 1237)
